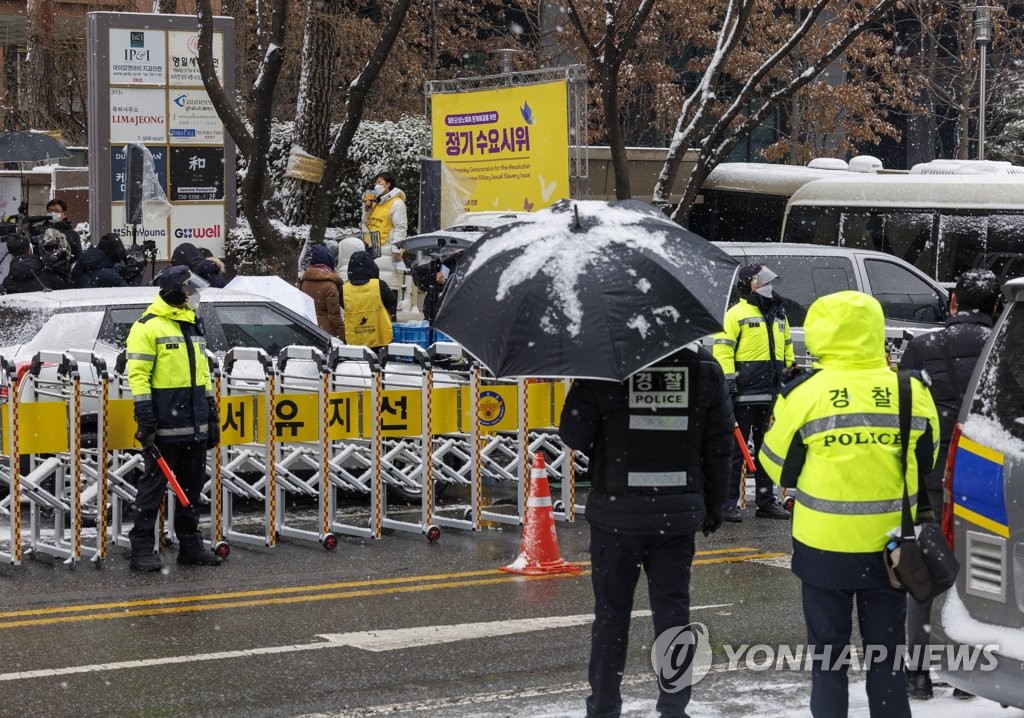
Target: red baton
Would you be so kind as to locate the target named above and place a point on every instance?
(169, 475)
(743, 448)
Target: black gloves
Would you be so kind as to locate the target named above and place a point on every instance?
(146, 419)
(730, 383)
(213, 425)
(712, 522)
(791, 372)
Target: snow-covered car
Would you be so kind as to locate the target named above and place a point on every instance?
(981, 621)
(98, 320)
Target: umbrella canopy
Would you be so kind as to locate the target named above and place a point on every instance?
(586, 289)
(28, 146)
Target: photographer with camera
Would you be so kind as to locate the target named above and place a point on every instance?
(98, 265)
(58, 220)
(432, 279)
(28, 273)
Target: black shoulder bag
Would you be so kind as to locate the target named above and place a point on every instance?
(920, 561)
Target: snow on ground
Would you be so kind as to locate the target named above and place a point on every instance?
(740, 694)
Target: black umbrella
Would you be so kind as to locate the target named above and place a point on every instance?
(587, 289)
(30, 147)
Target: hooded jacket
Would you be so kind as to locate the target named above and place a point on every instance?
(187, 254)
(97, 267)
(324, 286)
(361, 269)
(836, 440)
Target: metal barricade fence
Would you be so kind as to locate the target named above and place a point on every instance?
(299, 427)
(50, 397)
(354, 440)
(10, 508)
(248, 452)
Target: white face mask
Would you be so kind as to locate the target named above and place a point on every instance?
(55, 216)
(765, 291)
(378, 189)
(193, 300)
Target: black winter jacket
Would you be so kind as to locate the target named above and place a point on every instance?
(188, 254)
(27, 274)
(963, 338)
(596, 419)
(95, 269)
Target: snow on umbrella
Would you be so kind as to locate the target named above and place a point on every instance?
(586, 289)
(26, 146)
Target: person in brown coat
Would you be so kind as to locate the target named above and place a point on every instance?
(322, 283)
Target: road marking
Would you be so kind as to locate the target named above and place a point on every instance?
(387, 640)
(176, 604)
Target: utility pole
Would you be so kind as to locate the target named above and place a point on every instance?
(982, 37)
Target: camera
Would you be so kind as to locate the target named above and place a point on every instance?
(423, 274)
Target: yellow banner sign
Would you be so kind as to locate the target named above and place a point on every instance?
(513, 142)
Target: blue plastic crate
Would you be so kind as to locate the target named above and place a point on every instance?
(416, 333)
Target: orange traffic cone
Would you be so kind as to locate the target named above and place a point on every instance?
(538, 554)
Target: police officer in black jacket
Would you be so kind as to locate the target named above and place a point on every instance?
(660, 446)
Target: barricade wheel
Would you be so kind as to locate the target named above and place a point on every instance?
(468, 514)
(433, 533)
(221, 549)
(558, 506)
(330, 542)
(788, 503)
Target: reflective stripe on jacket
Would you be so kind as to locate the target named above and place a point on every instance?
(167, 365)
(366, 320)
(744, 351)
(836, 436)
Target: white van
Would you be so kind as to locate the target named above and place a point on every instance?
(937, 218)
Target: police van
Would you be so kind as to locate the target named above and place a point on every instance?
(983, 520)
(943, 217)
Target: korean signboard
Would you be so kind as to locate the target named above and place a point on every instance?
(145, 86)
(513, 142)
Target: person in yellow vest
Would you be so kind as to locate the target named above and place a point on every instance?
(835, 440)
(754, 349)
(384, 214)
(369, 304)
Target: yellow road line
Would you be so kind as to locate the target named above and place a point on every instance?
(264, 597)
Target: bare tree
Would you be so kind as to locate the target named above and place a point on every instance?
(252, 145)
(715, 117)
(165, 7)
(607, 44)
(38, 90)
(313, 109)
(355, 105)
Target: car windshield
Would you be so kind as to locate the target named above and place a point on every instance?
(1000, 394)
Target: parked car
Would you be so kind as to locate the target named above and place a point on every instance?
(911, 300)
(983, 517)
(99, 320)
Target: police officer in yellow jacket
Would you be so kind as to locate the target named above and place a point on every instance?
(835, 439)
(754, 348)
(175, 411)
(369, 304)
